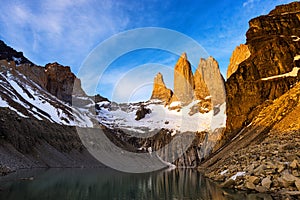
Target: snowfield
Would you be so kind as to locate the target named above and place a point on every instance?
(160, 117)
(38, 102)
(28, 99)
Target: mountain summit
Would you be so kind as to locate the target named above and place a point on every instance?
(183, 80)
(205, 85)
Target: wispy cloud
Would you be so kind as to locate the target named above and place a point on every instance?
(248, 3)
(58, 27)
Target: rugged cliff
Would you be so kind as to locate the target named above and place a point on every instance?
(183, 80)
(160, 91)
(270, 71)
(260, 147)
(206, 85)
(212, 77)
(240, 54)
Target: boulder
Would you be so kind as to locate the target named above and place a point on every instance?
(266, 182)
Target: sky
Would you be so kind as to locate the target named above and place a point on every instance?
(69, 31)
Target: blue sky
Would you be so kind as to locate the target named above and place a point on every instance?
(66, 31)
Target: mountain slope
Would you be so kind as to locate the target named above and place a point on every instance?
(267, 74)
(260, 148)
(271, 141)
(28, 99)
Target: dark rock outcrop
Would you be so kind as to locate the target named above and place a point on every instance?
(273, 43)
(55, 78)
(62, 83)
(142, 112)
(183, 80)
(160, 91)
(9, 54)
(31, 143)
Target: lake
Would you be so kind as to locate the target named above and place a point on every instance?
(104, 183)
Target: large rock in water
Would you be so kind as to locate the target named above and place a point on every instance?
(210, 72)
(183, 81)
(240, 54)
(160, 91)
(274, 43)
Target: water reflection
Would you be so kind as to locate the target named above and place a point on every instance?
(109, 184)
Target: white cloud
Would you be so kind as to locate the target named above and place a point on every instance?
(64, 29)
(248, 2)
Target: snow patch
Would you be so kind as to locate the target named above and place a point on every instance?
(219, 120)
(35, 102)
(237, 175)
(292, 73)
(297, 57)
(123, 116)
(4, 104)
(224, 172)
(295, 38)
(175, 104)
(17, 60)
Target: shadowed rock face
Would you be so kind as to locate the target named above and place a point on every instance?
(55, 78)
(61, 81)
(9, 54)
(273, 43)
(160, 91)
(240, 54)
(183, 80)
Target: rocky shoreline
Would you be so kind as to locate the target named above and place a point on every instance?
(271, 166)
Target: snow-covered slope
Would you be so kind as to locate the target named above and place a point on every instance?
(123, 116)
(28, 99)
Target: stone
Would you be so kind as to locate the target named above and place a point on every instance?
(260, 170)
(183, 80)
(280, 168)
(160, 91)
(240, 54)
(229, 183)
(253, 179)
(297, 184)
(249, 185)
(260, 189)
(287, 180)
(294, 164)
(266, 182)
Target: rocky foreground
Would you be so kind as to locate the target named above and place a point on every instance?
(272, 166)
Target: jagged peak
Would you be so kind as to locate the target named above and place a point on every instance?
(159, 79)
(184, 55)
